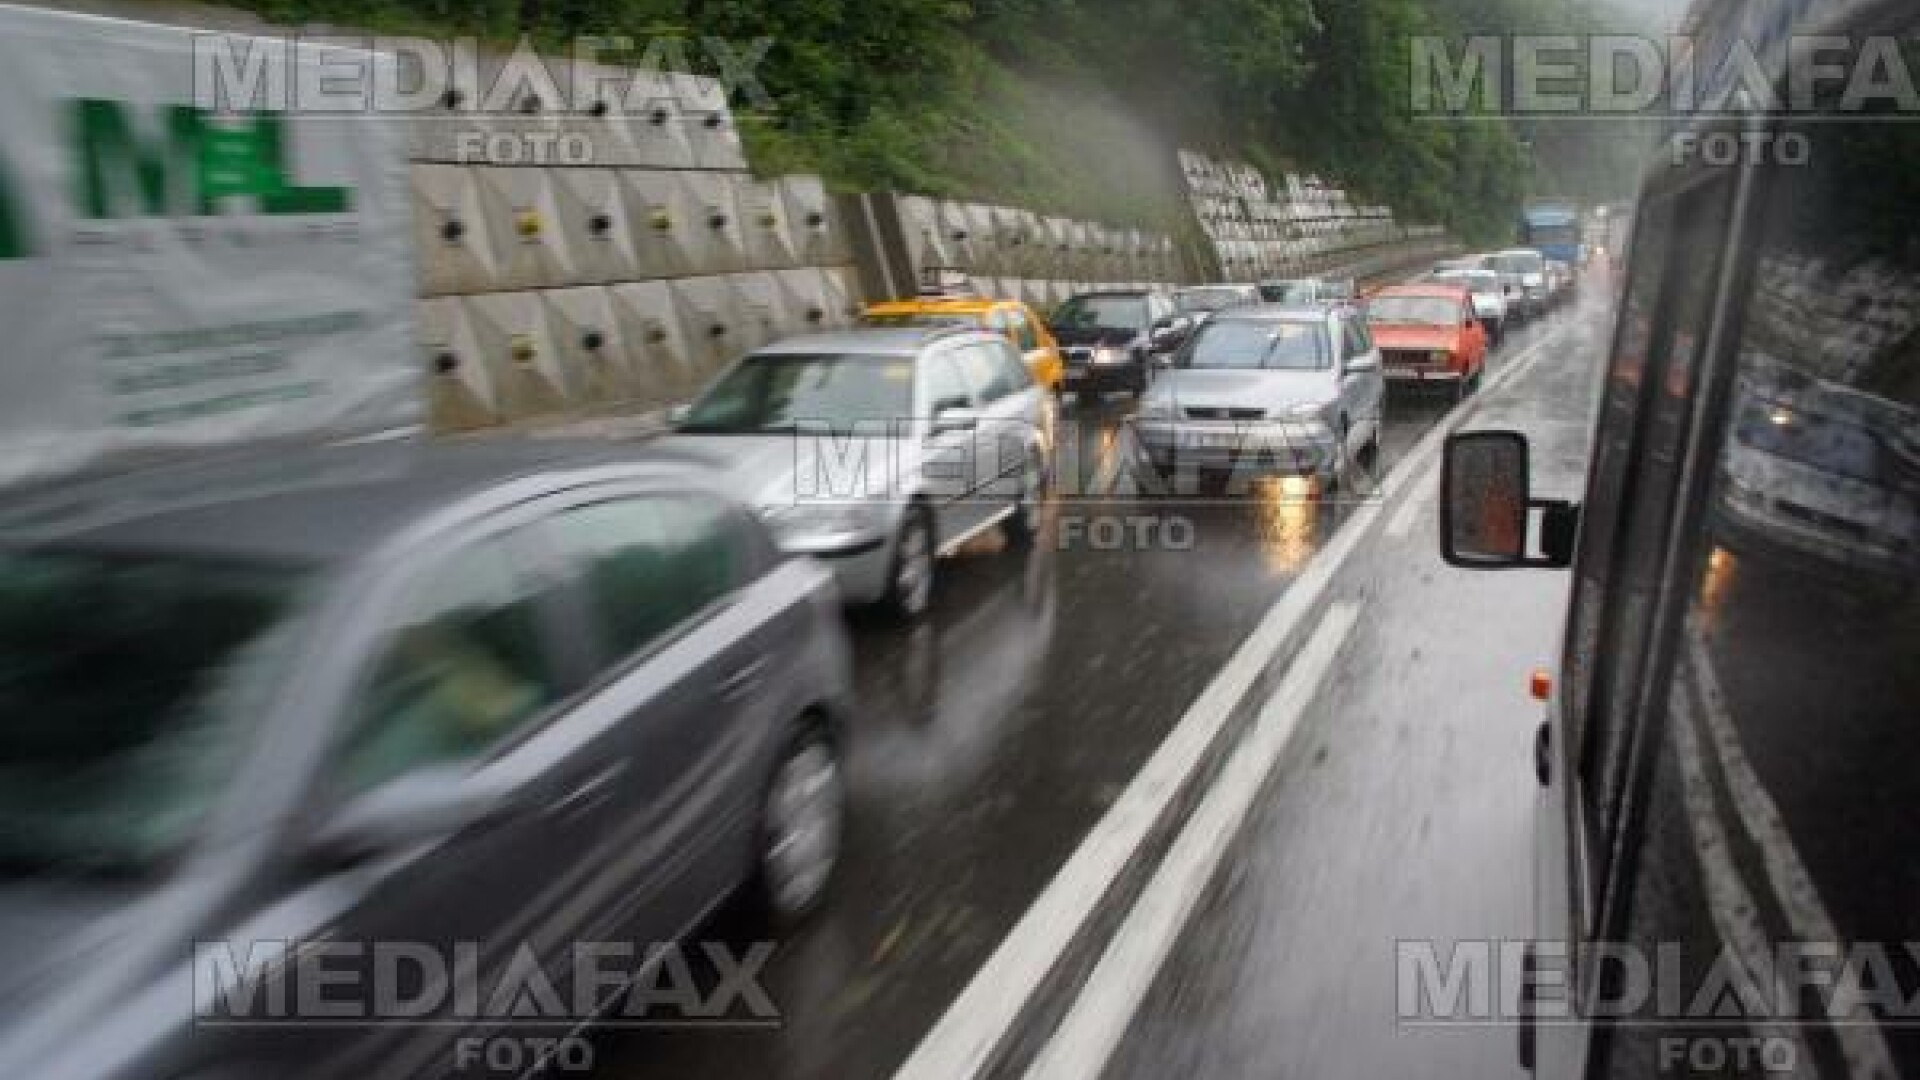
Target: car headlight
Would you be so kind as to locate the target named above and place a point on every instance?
(1154, 410)
(1441, 356)
(1106, 355)
(816, 518)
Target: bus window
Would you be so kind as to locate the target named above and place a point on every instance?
(1785, 801)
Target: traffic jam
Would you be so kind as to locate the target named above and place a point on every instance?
(679, 615)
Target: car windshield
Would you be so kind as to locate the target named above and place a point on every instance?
(767, 394)
(922, 318)
(1251, 344)
(130, 685)
(1192, 301)
(1519, 264)
(1828, 443)
(1102, 313)
(1413, 311)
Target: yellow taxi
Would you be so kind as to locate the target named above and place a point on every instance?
(1010, 317)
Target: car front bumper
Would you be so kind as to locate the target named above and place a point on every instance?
(1281, 449)
(1094, 378)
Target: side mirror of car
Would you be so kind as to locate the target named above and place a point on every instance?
(418, 807)
(1168, 334)
(1486, 508)
(952, 414)
(678, 414)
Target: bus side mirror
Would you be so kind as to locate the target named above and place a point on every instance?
(1486, 507)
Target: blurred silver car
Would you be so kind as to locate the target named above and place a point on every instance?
(1283, 390)
(1523, 278)
(495, 700)
(879, 450)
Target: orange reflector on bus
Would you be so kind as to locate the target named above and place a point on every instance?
(1541, 684)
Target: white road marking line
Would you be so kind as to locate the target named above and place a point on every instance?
(1861, 1043)
(964, 1039)
(1411, 501)
(1087, 1038)
(1736, 918)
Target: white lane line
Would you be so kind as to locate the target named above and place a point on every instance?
(1411, 501)
(964, 1039)
(1736, 917)
(1087, 1038)
(1861, 1043)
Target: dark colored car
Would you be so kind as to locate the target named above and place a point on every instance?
(1109, 339)
(488, 702)
(1726, 869)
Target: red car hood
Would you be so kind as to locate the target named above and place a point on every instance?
(1389, 336)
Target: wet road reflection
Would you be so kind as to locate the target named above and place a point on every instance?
(994, 734)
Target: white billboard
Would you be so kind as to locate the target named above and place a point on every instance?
(174, 275)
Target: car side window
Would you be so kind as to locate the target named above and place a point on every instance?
(1353, 338)
(1024, 337)
(462, 667)
(1012, 367)
(981, 363)
(942, 380)
(649, 564)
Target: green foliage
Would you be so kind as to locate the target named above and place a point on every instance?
(1076, 106)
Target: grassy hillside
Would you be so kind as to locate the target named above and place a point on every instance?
(1076, 106)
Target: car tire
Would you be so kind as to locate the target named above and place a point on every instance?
(910, 572)
(802, 821)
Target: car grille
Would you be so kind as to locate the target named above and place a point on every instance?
(1406, 358)
(1226, 414)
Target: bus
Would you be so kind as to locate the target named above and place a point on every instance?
(1726, 873)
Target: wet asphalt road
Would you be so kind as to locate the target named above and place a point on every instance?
(995, 734)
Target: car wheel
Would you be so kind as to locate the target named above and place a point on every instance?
(1024, 522)
(802, 818)
(910, 577)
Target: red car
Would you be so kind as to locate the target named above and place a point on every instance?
(1428, 334)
